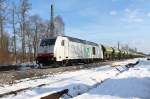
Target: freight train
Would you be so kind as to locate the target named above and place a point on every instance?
(69, 50)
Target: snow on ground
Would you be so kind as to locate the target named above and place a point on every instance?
(78, 82)
(131, 84)
(28, 65)
(121, 63)
(70, 80)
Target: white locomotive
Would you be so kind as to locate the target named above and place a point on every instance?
(66, 49)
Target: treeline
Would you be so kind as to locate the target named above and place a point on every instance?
(20, 32)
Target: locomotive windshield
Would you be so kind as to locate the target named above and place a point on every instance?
(48, 42)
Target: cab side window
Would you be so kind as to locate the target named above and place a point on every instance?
(93, 50)
(62, 42)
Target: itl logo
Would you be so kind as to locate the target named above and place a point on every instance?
(87, 51)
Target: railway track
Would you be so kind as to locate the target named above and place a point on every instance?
(15, 67)
(10, 77)
(33, 66)
(13, 76)
(19, 67)
(8, 67)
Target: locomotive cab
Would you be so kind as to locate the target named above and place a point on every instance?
(46, 50)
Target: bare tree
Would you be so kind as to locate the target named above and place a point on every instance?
(25, 28)
(59, 26)
(3, 6)
(14, 21)
(29, 40)
(24, 8)
(38, 30)
(4, 54)
(35, 24)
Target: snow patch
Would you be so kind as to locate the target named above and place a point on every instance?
(131, 84)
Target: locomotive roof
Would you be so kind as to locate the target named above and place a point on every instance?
(76, 40)
(81, 41)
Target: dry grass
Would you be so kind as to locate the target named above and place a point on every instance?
(6, 57)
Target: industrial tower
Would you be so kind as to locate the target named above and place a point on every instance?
(52, 26)
(56, 25)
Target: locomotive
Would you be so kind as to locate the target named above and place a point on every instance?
(68, 50)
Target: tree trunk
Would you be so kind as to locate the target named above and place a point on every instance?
(14, 30)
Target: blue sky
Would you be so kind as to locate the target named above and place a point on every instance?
(103, 21)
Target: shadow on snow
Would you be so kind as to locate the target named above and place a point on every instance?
(124, 88)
